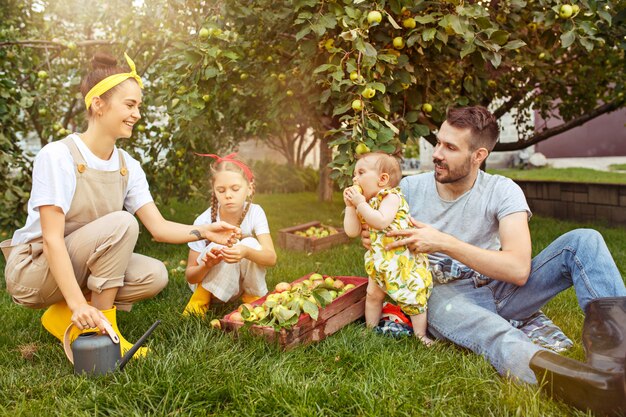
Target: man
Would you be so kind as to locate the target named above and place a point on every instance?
(474, 226)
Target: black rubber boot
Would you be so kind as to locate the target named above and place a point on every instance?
(604, 333)
(580, 385)
(598, 385)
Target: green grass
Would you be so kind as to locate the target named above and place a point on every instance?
(617, 167)
(563, 174)
(194, 370)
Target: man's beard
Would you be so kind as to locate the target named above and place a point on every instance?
(452, 175)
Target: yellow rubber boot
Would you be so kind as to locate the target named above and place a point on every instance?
(125, 345)
(56, 319)
(198, 303)
(248, 298)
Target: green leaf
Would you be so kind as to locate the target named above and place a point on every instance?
(495, 59)
(568, 38)
(514, 44)
(500, 37)
(469, 48)
(324, 67)
(311, 309)
(370, 50)
(429, 18)
(324, 295)
(586, 43)
(377, 86)
(411, 117)
(342, 109)
(303, 32)
(421, 130)
(390, 125)
(393, 22)
(429, 34)
(606, 16)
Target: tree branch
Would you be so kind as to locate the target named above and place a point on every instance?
(37, 43)
(548, 133)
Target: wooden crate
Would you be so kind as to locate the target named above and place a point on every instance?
(344, 309)
(288, 240)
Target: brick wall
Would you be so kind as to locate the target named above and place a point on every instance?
(577, 201)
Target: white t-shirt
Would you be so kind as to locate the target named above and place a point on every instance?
(255, 223)
(54, 182)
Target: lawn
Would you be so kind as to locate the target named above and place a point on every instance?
(563, 174)
(194, 370)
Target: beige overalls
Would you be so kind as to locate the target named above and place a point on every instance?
(100, 238)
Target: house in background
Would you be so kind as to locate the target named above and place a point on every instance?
(596, 144)
(601, 142)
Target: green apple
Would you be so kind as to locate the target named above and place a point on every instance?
(142, 128)
(281, 77)
(289, 93)
(243, 76)
(362, 148)
(374, 17)
(316, 276)
(409, 23)
(357, 105)
(42, 74)
(206, 97)
(203, 33)
(216, 324)
(354, 75)
(427, 107)
(329, 281)
(398, 42)
(369, 92)
(566, 11)
(575, 9)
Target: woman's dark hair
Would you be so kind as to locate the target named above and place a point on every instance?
(103, 65)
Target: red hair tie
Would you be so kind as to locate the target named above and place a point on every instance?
(231, 158)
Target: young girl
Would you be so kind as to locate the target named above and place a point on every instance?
(226, 272)
(376, 200)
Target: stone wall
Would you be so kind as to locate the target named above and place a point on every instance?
(577, 201)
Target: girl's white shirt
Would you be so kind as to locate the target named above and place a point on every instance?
(54, 182)
(254, 224)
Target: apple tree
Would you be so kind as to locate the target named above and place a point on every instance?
(377, 74)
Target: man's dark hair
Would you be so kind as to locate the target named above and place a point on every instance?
(482, 124)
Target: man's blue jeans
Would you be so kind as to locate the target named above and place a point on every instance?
(477, 318)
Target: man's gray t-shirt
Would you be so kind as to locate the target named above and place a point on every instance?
(473, 218)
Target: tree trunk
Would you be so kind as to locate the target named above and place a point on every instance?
(325, 189)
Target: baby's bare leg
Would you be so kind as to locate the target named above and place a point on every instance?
(373, 303)
(419, 328)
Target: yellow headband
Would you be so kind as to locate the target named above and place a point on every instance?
(111, 81)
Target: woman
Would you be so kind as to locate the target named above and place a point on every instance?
(75, 253)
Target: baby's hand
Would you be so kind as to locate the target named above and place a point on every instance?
(354, 195)
(346, 200)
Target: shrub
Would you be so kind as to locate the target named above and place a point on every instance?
(272, 177)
